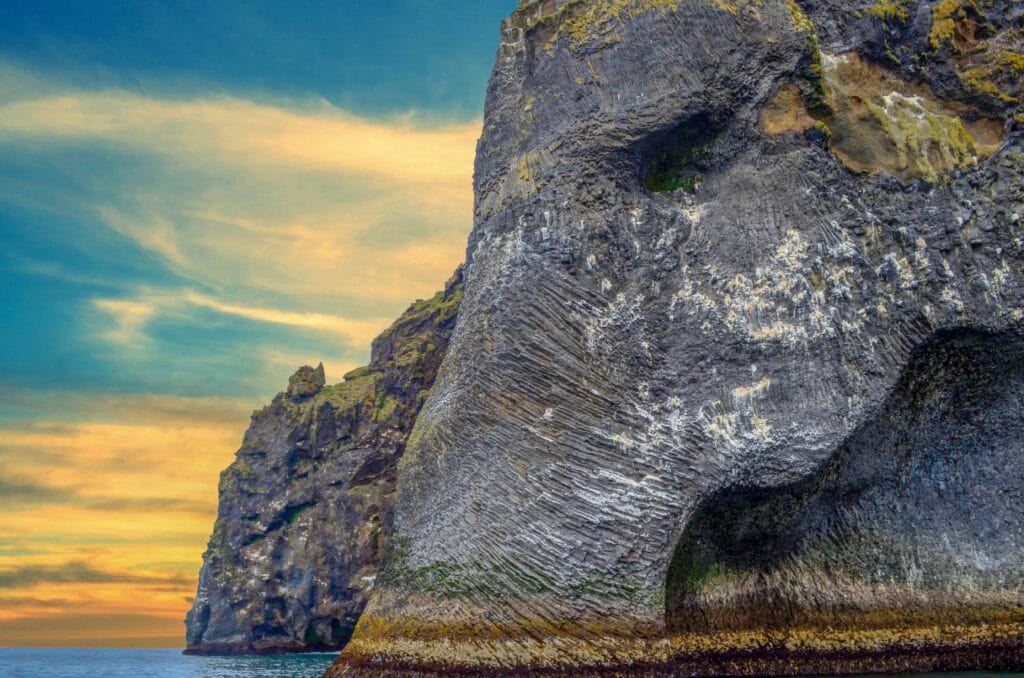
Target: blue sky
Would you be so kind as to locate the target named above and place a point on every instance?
(367, 57)
(424, 63)
(195, 199)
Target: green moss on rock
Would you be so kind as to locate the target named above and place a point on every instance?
(678, 162)
(357, 373)
(347, 395)
(386, 407)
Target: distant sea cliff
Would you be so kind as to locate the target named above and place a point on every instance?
(306, 508)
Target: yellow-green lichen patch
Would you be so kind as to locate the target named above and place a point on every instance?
(943, 23)
(524, 168)
(243, 469)
(528, 115)
(523, 171)
(584, 23)
(239, 470)
(800, 20)
(438, 307)
(950, 20)
(729, 7)
(926, 142)
(994, 68)
(357, 373)
(889, 10)
(981, 81)
(989, 61)
(880, 122)
(811, 74)
(1012, 61)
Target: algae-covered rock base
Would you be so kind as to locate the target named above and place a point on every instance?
(737, 382)
(306, 508)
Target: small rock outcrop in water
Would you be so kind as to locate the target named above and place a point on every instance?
(306, 507)
(737, 384)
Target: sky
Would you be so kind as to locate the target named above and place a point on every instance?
(196, 198)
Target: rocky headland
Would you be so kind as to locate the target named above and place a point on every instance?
(305, 510)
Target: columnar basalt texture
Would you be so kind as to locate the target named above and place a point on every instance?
(737, 381)
(306, 507)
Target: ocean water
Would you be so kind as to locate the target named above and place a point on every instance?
(81, 663)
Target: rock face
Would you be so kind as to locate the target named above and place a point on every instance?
(738, 378)
(306, 507)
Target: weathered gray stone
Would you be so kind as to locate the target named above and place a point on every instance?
(306, 382)
(306, 508)
(767, 422)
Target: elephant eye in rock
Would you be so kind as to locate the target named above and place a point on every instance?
(679, 158)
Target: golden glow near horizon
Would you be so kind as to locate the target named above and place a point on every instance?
(107, 519)
(307, 220)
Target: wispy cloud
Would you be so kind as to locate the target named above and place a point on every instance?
(233, 131)
(358, 331)
(144, 504)
(127, 317)
(20, 494)
(76, 572)
(128, 320)
(57, 410)
(234, 182)
(109, 499)
(60, 629)
(332, 221)
(154, 232)
(35, 603)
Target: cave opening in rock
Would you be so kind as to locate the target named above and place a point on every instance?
(910, 521)
(679, 158)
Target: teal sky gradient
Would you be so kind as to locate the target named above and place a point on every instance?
(196, 198)
(376, 60)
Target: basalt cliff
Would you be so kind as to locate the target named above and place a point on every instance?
(306, 508)
(737, 381)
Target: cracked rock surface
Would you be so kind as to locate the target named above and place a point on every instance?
(305, 510)
(737, 381)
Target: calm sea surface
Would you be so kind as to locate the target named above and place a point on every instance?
(71, 663)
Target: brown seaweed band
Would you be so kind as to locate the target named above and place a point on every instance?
(981, 646)
(992, 656)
